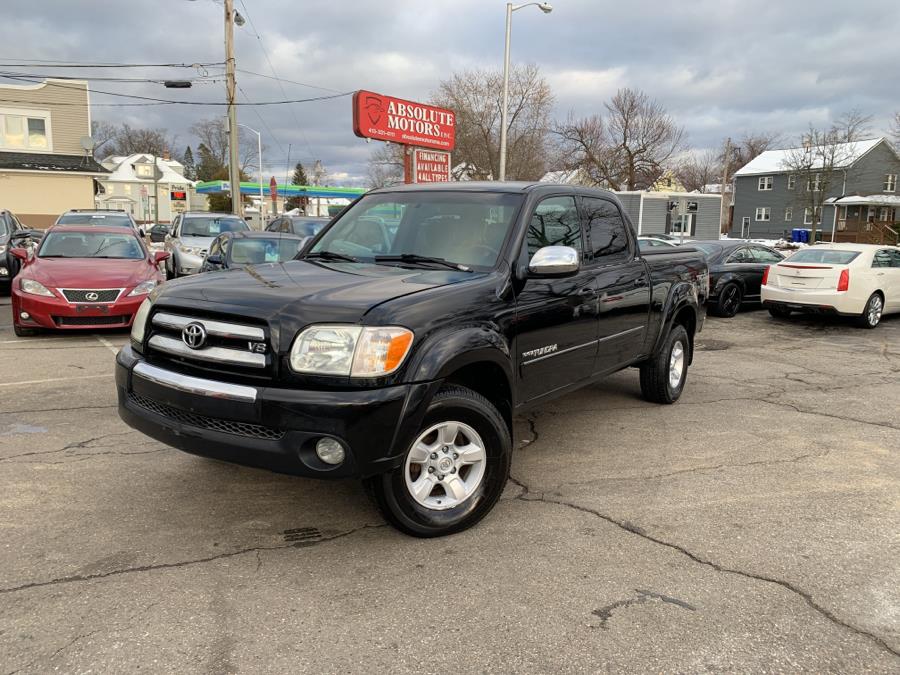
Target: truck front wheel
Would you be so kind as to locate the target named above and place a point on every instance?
(453, 473)
(663, 375)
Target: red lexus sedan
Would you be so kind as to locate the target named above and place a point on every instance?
(83, 278)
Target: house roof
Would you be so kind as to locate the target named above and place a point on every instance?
(42, 161)
(123, 169)
(778, 161)
(875, 200)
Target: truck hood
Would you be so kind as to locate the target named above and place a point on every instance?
(305, 290)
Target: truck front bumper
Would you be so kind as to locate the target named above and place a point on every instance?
(268, 427)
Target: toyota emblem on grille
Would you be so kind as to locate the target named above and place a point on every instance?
(91, 296)
(194, 335)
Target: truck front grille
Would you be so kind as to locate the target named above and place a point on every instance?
(204, 422)
(220, 345)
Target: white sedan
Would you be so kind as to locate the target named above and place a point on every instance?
(859, 280)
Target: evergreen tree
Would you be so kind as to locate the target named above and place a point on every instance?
(299, 178)
(210, 165)
(187, 160)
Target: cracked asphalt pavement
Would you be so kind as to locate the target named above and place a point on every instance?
(753, 526)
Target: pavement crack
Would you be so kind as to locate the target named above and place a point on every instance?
(529, 496)
(643, 597)
(183, 563)
(41, 410)
(73, 446)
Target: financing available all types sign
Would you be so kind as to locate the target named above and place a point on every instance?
(431, 166)
(386, 118)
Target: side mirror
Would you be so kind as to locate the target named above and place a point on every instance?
(159, 256)
(20, 253)
(215, 259)
(554, 261)
(27, 234)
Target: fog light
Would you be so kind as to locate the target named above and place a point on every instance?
(330, 451)
(4, 272)
(24, 316)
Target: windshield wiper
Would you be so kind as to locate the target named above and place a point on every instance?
(331, 255)
(416, 258)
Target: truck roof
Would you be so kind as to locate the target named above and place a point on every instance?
(492, 186)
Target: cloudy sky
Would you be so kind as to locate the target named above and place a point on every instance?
(721, 67)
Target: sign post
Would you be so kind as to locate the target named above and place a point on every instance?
(273, 193)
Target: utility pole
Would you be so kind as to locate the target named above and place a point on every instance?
(726, 165)
(504, 100)
(234, 173)
(155, 192)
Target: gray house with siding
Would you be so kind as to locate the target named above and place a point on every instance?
(649, 212)
(861, 204)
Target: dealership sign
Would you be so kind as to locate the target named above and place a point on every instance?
(386, 118)
(431, 166)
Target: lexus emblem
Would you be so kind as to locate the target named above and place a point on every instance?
(92, 296)
(194, 335)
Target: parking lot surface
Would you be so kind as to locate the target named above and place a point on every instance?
(753, 526)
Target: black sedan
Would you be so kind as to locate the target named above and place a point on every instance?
(238, 249)
(735, 272)
(305, 226)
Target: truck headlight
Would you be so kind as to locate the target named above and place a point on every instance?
(2, 249)
(140, 321)
(35, 288)
(353, 351)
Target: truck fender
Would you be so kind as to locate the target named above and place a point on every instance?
(449, 350)
(680, 296)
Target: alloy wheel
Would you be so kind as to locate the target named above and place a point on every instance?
(876, 307)
(676, 365)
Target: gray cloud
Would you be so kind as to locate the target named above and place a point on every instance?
(721, 67)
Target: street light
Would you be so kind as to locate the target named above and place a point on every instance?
(262, 201)
(546, 8)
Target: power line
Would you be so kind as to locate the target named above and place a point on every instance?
(161, 80)
(43, 63)
(281, 79)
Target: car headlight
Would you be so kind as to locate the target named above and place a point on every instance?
(2, 249)
(190, 250)
(143, 288)
(35, 288)
(140, 321)
(354, 351)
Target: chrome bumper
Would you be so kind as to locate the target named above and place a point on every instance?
(195, 385)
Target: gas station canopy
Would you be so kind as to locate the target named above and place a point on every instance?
(215, 186)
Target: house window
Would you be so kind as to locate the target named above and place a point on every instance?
(27, 131)
(814, 183)
(762, 213)
(791, 181)
(807, 215)
(788, 214)
(870, 213)
(765, 182)
(890, 182)
(143, 171)
(884, 214)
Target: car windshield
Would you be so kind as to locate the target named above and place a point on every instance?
(828, 256)
(105, 219)
(307, 227)
(90, 245)
(257, 251)
(467, 228)
(210, 226)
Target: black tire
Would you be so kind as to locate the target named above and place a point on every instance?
(779, 312)
(24, 332)
(728, 302)
(871, 314)
(656, 385)
(396, 503)
(171, 267)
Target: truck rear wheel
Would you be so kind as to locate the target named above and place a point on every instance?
(663, 375)
(454, 471)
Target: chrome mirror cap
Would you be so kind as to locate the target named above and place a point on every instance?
(554, 261)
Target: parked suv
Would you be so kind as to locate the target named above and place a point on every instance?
(192, 234)
(400, 355)
(100, 217)
(12, 234)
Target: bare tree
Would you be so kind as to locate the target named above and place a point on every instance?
(475, 97)
(628, 147)
(853, 125)
(213, 134)
(751, 145)
(895, 130)
(699, 171)
(386, 165)
(124, 139)
(102, 133)
(816, 167)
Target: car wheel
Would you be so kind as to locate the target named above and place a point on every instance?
(871, 315)
(728, 301)
(24, 332)
(779, 312)
(663, 375)
(453, 472)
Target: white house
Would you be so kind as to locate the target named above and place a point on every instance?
(130, 186)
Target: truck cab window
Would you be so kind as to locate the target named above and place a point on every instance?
(607, 233)
(554, 223)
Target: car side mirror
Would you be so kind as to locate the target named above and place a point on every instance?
(27, 234)
(160, 256)
(215, 259)
(554, 261)
(20, 253)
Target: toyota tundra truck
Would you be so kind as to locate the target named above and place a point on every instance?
(407, 335)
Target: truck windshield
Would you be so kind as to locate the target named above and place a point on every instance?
(468, 228)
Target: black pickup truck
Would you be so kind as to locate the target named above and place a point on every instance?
(401, 342)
